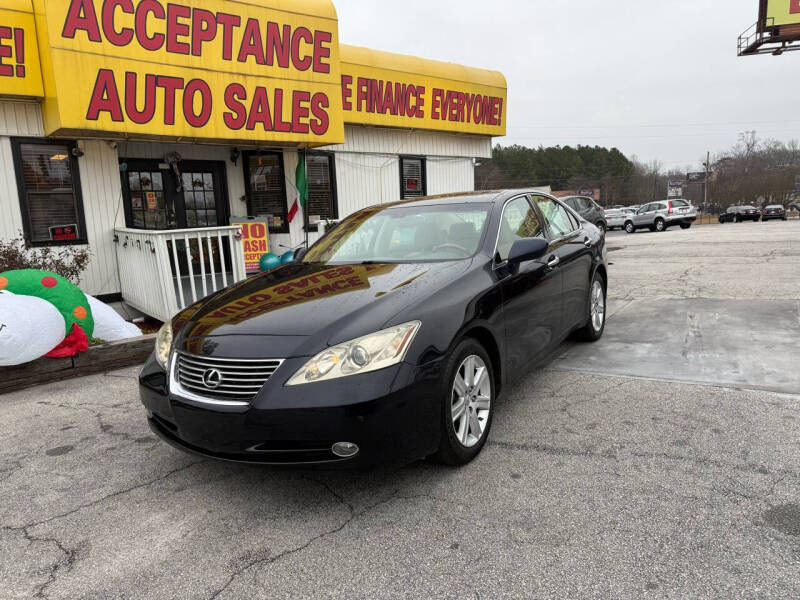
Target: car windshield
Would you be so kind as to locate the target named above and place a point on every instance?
(404, 234)
(775, 206)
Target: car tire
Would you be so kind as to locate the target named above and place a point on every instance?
(660, 225)
(736, 218)
(685, 226)
(595, 321)
(629, 227)
(453, 450)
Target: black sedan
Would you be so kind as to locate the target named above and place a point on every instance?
(737, 214)
(774, 211)
(390, 339)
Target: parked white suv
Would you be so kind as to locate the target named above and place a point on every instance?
(658, 216)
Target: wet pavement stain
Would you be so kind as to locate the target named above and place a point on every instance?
(60, 450)
(785, 518)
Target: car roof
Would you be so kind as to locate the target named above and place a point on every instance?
(477, 197)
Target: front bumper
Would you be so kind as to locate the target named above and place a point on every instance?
(392, 415)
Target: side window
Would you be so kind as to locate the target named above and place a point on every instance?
(572, 203)
(556, 216)
(583, 204)
(519, 221)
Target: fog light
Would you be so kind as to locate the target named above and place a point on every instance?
(344, 449)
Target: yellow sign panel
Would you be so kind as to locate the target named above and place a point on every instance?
(214, 69)
(20, 71)
(783, 12)
(393, 90)
(255, 242)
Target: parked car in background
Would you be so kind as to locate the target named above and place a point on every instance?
(773, 211)
(588, 209)
(615, 217)
(659, 216)
(737, 214)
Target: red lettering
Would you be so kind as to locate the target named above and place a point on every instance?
(170, 85)
(259, 111)
(319, 106)
(105, 98)
(252, 45)
(347, 92)
(301, 34)
(361, 93)
(145, 8)
(277, 45)
(419, 109)
(176, 28)
(300, 111)
(124, 36)
(236, 118)
(204, 29)
(81, 16)
(206, 100)
(794, 7)
(134, 114)
(321, 53)
(5, 52)
(277, 113)
(228, 22)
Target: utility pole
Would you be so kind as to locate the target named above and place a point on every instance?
(705, 187)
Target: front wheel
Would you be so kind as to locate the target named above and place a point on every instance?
(596, 311)
(468, 403)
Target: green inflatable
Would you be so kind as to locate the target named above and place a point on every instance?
(70, 301)
(269, 261)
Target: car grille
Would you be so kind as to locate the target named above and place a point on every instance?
(223, 378)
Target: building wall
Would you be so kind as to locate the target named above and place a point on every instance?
(367, 173)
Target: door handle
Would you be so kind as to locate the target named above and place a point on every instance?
(553, 262)
(587, 242)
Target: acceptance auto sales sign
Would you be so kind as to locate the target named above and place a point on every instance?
(236, 70)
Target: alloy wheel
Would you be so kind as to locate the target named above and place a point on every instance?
(598, 305)
(471, 400)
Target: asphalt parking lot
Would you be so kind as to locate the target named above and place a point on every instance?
(661, 462)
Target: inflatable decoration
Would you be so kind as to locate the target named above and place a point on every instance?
(43, 314)
(287, 257)
(269, 261)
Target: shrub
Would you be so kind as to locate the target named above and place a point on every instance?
(67, 261)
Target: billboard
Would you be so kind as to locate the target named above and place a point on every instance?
(20, 73)
(214, 69)
(782, 12)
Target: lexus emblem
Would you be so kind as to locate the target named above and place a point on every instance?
(212, 379)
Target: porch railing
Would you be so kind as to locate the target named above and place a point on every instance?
(163, 272)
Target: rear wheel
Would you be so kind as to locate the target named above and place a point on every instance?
(596, 317)
(468, 404)
(629, 227)
(685, 226)
(660, 225)
(736, 218)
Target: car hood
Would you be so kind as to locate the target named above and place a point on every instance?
(299, 308)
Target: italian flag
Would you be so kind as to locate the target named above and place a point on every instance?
(301, 182)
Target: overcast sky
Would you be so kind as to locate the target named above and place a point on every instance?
(659, 80)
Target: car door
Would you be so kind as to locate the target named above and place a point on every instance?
(643, 216)
(531, 291)
(574, 252)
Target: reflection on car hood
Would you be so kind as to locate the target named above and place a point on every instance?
(298, 300)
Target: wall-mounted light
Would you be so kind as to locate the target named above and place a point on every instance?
(77, 152)
(235, 154)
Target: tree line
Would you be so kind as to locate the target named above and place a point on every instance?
(751, 171)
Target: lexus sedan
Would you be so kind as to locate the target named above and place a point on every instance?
(390, 339)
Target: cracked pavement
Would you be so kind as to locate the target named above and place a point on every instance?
(593, 485)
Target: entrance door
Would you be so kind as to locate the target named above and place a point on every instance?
(156, 198)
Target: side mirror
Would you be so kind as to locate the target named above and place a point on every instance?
(527, 249)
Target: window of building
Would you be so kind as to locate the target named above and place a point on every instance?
(49, 192)
(265, 183)
(412, 177)
(321, 173)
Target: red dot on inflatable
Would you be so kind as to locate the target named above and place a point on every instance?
(49, 282)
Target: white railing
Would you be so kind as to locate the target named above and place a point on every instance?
(163, 272)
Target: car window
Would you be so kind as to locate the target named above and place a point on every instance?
(680, 203)
(645, 208)
(732, 209)
(519, 221)
(573, 203)
(556, 216)
(585, 203)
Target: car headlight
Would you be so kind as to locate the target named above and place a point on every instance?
(164, 344)
(363, 355)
